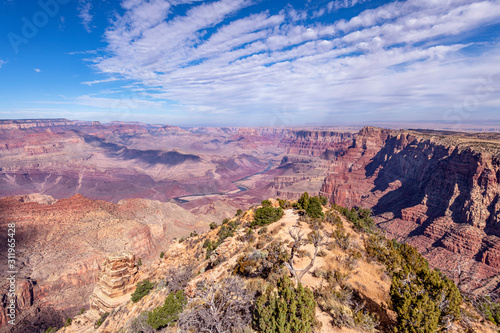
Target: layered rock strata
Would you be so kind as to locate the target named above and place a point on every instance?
(119, 161)
(436, 190)
(116, 282)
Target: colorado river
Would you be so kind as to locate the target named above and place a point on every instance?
(240, 188)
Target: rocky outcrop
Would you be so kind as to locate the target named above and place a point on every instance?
(324, 144)
(24, 298)
(437, 185)
(491, 254)
(61, 243)
(116, 282)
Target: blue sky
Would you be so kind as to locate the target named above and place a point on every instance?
(251, 62)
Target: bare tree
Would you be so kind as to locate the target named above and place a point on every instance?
(177, 278)
(219, 308)
(459, 273)
(316, 237)
(140, 324)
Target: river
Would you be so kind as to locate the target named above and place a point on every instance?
(240, 188)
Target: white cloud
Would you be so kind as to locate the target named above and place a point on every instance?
(2, 62)
(84, 7)
(90, 83)
(38, 70)
(210, 61)
(82, 52)
(128, 102)
(338, 4)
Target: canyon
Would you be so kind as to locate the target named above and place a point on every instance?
(438, 191)
(80, 191)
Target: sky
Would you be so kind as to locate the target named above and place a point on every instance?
(251, 62)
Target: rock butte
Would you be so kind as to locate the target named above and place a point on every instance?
(116, 282)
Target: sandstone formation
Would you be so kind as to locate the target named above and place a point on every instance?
(324, 144)
(115, 283)
(309, 155)
(432, 189)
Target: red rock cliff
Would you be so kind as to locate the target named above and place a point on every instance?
(413, 179)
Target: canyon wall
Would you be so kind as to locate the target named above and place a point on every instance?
(317, 143)
(118, 161)
(437, 190)
(308, 157)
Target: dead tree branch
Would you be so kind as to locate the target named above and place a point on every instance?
(316, 237)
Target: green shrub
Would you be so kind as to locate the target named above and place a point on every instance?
(323, 200)
(267, 215)
(285, 204)
(212, 225)
(68, 322)
(342, 238)
(422, 297)
(226, 230)
(210, 246)
(239, 212)
(384, 251)
(334, 218)
(289, 309)
(366, 321)
(489, 309)
(143, 288)
(162, 254)
(167, 314)
(139, 262)
(359, 217)
(314, 208)
(50, 330)
(266, 203)
(303, 201)
(101, 320)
